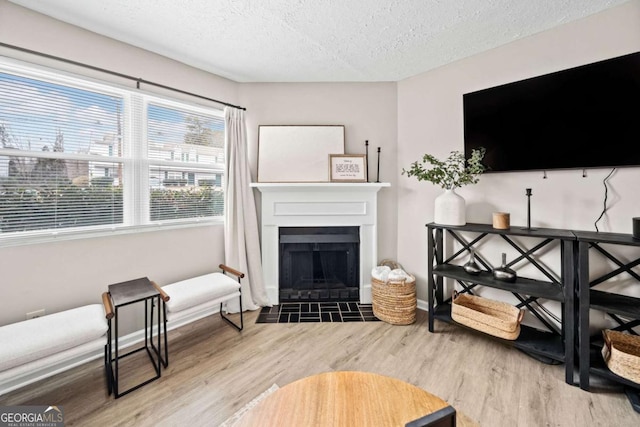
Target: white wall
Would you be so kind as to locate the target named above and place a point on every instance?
(430, 121)
(368, 112)
(417, 115)
(57, 276)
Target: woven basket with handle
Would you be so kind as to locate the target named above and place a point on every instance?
(394, 302)
(621, 353)
(495, 318)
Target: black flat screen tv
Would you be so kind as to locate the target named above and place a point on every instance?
(579, 118)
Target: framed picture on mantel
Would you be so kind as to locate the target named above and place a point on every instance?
(348, 167)
(291, 153)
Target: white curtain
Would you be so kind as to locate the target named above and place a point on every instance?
(241, 238)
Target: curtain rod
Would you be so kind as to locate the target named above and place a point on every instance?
(114, 73)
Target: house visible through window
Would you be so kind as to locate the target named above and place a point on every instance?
(78, 157)
(183, 151)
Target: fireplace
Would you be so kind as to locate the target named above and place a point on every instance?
(319, 204)
(319, 264)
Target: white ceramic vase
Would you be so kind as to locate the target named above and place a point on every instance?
(450, 209)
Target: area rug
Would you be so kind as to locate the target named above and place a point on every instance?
(231, 421)
(300, 312)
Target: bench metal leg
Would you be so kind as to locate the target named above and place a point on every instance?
(107, 361)
(235, 325)
(163, 359)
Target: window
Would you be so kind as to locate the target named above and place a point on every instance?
(186, 188)
(79, 157)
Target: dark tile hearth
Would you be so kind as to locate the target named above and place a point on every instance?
(294, 312)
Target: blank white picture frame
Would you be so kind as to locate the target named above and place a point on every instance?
(294, 153)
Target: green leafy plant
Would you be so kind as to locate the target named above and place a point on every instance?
(453, 172)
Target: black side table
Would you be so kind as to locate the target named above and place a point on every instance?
(123, 294)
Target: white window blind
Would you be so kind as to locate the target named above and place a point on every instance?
(78, 157)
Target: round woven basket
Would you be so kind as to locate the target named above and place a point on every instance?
(394, 302)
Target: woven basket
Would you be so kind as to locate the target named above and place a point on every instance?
(491, 317)
(394, 302)
(621, 353)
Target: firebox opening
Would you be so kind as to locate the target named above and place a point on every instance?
(319, 263)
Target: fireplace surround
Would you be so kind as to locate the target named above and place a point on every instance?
(323, 204)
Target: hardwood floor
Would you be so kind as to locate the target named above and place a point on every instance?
(214, 370)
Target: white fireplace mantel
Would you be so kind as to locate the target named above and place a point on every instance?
(319, 204)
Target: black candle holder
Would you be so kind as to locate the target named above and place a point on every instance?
(366, 147)
(378, 173)
(528, 194)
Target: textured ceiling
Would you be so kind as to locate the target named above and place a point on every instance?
(317, 40)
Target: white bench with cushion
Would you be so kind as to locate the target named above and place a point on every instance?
(31, 350)
(197, 297)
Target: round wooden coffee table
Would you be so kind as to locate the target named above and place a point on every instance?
(343, 398)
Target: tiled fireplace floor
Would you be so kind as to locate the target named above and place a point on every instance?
(296, 312)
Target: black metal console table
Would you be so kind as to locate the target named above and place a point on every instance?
(623, 310)
(554, 345)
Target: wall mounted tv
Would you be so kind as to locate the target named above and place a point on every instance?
(583, 117)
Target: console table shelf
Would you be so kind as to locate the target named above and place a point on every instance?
(553, 346)
(545, 346)
(615, 303)
(522, 285)
(598, 367)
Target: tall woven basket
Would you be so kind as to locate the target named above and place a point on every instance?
(394, 302)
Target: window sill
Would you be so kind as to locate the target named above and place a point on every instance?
(65, 235)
